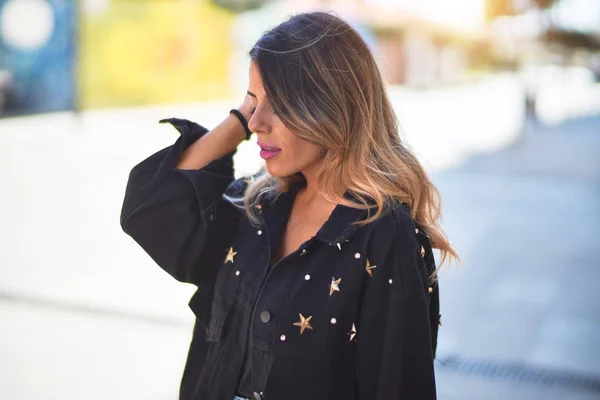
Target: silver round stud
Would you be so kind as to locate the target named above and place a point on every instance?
(282, 338)
(237, 273)
(357, 256)
(333, 321)
(430, 290)
(307, 277)
(259, 232)
(390, 281)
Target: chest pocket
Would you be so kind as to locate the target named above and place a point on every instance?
(219, 315)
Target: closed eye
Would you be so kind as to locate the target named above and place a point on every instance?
(254, 110)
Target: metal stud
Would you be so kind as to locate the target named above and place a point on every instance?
(390, 281)
(237, 273)
(333, 321)
(430, 290)
(259, 232)
(307, 277)
(282, 338)
(357, 256)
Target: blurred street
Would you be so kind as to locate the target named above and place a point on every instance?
(521, 317)
(86, 314)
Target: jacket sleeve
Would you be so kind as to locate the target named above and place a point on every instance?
(179, 217)
(394, 355)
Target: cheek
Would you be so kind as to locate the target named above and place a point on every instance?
(297, 152)
(305, 153)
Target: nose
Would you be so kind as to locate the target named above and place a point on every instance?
(258, 122)
(253, 123)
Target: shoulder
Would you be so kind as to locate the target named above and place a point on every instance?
(396, 224)
(396, 236)
(394, 255)
(237, 188)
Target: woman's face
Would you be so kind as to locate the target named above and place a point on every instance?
(285, 153)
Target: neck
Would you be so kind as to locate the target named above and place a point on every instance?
(310, 191)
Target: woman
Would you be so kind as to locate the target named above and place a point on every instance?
(316, 278)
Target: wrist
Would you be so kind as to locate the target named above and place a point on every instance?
(243, 120)
(246, 112)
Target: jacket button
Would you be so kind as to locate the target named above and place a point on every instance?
(257, 396)
(265, 316)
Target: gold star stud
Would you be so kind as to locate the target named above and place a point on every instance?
(370, 268)
(304, 323)
(422, 251)
(230, 255)
(352, 332)
(334, 287)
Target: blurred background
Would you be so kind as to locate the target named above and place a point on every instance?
(500, 99)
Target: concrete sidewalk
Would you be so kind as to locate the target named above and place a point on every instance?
(521, 317)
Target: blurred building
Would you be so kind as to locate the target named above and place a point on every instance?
(426, 43)
(37, 56)
(413, 45)
(68, 54)
(153, 51)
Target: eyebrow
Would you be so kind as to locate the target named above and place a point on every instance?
(251, 94)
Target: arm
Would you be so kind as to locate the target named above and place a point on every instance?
(394, 358)
(178, 215)
(215, 144)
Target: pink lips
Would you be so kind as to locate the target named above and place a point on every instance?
(267, 151)
(265, 154)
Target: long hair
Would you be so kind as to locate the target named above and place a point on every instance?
(325, 86)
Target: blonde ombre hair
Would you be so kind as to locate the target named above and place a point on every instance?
(323, 83)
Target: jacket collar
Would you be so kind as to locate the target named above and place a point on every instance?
(337, 229)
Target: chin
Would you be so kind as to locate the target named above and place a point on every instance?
(278, 171)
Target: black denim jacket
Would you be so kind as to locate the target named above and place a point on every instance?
(351, 314)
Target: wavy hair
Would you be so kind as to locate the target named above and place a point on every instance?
(325, 86)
